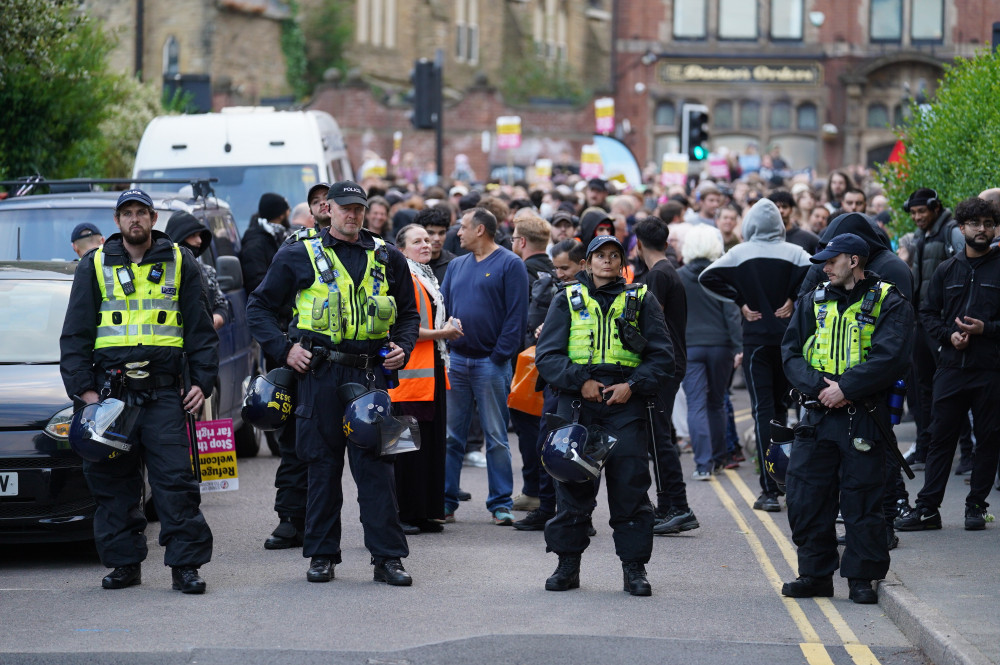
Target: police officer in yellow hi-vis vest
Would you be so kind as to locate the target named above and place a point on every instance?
(355, 319)
(136, 309)
(605, 349)
(847, 343)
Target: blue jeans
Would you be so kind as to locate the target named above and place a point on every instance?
(705, 384)
(483, 382)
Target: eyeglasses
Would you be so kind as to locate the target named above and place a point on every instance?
(976, 224)
(513, 238)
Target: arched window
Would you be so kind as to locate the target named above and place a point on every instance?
(878, 116)
(722, 117)
(749, 115)
(666, 114)
(807, 117)
(171, 57)
(781, 115)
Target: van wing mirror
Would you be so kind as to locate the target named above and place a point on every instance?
(229, 272)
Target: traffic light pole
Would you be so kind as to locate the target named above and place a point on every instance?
(438, 112)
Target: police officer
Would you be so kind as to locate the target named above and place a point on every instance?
(342, 286)
(139, 299)
(848, 340)
(603, 379)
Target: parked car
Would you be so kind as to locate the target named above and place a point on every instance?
(38, 228)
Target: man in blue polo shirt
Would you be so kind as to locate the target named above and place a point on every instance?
(487, 291)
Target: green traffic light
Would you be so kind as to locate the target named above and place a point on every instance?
(699, 152)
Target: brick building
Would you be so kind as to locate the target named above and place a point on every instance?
(231, 47)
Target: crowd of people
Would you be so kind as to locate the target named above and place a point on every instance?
(639, 307)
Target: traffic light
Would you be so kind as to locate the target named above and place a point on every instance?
(694, 131)
(426, 94)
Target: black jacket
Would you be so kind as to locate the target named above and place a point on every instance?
(552, 352)
(257, 250)
(664, 283)
(958, 289)
(292, 271)
(539, 267)
(180, 227)
(83, 367)
(881, 259)
(888, 358)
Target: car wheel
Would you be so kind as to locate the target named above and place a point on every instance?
(248, 440)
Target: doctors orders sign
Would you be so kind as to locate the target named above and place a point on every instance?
(217, 453)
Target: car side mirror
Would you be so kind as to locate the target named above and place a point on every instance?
(229, 272)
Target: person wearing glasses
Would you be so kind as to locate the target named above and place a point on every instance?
(961, 313)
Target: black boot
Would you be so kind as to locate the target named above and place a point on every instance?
(288, 534)
(320, 569)
(567, 574)
(808, 587)
(186, 579)
(123, 576)
(635, 578)
(391, 572)
(862, 592)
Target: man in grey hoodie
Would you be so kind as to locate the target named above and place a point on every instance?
(762, 276)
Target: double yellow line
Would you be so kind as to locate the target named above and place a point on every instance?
(812, 647)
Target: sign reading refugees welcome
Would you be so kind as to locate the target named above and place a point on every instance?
(741, 72)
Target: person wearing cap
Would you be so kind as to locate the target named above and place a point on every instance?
(138, 299)
(267, 230)
(596, 194)
(603, 380)
(343, 286)
(561, 228)
(188, 231)
(318, 206)
(848, 340)
(85, 237)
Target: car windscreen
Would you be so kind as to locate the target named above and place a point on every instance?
(241, 186)
(31, 319)
(45, 232)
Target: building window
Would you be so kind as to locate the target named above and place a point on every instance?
(878, 116)
(786, 19)
(737, 19)
(886, 20)
(171, 57)
(467, 31)
(722, 116)
(781, 115)
(550, 26)
(807, 117)
(665, 114)
(690, 19)
(376, 22)
(897, 115)
(927, 21)
(749, 115)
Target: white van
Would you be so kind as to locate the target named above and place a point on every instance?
(251, 150)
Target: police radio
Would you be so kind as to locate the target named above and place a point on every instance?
(125, 279)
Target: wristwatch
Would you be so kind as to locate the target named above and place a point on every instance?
(631, 384)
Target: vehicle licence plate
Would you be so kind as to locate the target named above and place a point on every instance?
(8, 483)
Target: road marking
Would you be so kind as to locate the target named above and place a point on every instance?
(860, 653)
(743, 419)
(741, 412)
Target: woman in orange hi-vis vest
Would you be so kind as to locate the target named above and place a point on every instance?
(421, 392)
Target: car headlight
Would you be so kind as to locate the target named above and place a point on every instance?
(58, 425)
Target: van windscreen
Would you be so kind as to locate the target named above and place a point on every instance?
(242, 186)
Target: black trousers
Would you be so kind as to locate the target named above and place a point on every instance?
(768, 390)
(626, 474)
(119, 524)
(546, 484)
(420, 474)
(955, 390)
(527, 427)
(671, 492)
(827, 473)
(924, 363)
(320, 442)
(291, 478)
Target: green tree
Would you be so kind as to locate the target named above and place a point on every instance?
(55, 90)
(951, 146)
(328, 29)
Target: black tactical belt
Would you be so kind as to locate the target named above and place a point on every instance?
(362, 361)
(149, 382)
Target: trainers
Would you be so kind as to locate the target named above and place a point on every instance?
(534, 521)
(808, 587)
(903, 507)
(731, 463)
(737, 455)
(463, 495)
(675, 520)
(861, 592)
(768, 502)
(474, 458)
(964, 467)
(916, 463)
(701, 475)
(525, 502)
(975, 518)
(919, 519)
(449, 517)
(502, 517)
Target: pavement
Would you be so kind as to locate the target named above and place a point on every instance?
(943, 589)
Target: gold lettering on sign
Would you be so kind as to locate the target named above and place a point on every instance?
(810, 74)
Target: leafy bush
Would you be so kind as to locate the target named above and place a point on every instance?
(952, 146)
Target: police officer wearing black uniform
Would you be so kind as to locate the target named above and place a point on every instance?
(139, 300)
(343, 286)
(848, 341)
(603, 379)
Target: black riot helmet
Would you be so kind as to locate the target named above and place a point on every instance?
(370, 425)
(103, 430)
(269, 399)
